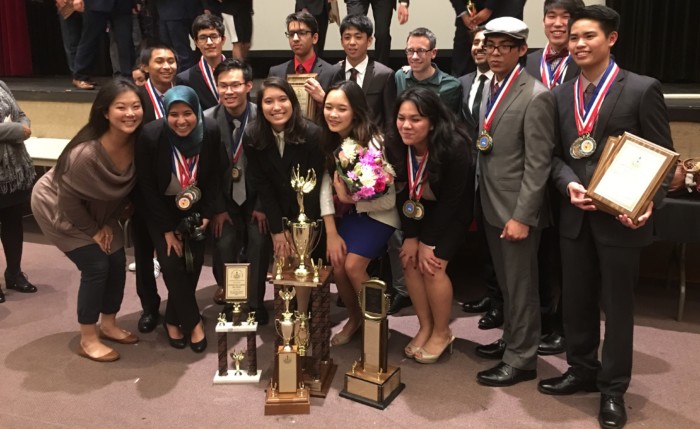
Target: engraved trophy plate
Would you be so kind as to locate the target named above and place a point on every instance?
(307, 104)
(236, 283)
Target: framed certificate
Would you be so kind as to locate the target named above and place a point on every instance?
(629, 173)
(307, 104)
(236, 288)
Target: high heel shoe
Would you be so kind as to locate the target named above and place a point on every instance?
(340, 339)
(200, 345)
(410, 350)
(178, 343)
(428, 358)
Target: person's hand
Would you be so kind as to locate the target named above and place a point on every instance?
(217, 223)
(341, 190)
(103, 238)
(641, 220)
(402, 13)
(261, 219)
(173, 243)
(78, 5)
(315, 90)
(427, 261)
(515, 231)
(61, 3)
(281, 245)
(335, 248)
(467, 20)
(577, 194)
(409, 253)
(482, 16)
(27, 131)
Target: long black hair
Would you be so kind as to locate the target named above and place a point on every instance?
(363, 128)
(98, 124)
(294, 129)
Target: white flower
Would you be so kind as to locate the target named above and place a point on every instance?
(367, 177)
(348, 148)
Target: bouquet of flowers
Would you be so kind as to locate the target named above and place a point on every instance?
(364, 170)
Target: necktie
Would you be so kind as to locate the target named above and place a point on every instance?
(235, 135)
(237, 188)
(477, 98)
(301, 69)
(494, 91)
(588, 93)
(353, 75)
(280, 144)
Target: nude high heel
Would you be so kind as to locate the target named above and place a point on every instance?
(428, 358)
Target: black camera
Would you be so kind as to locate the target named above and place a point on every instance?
(190, 227)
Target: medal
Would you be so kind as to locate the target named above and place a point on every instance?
(484, 143)
(235, 174)
(587, 146)
(412, 208)
(188, 197)
(409, 209)
(186, 172)
(419, 212)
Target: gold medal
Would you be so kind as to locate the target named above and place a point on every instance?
(485, 142)
(587, 146)
(186, 198)
(235, 174)
(409, 209)
(419, 212)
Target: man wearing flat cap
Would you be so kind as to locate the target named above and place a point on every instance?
(515, 149)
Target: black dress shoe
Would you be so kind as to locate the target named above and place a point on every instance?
(492, 319)
(493, 351)
(551, 344)
(612, 413)
(178, 343)
(399, 302)
(505, 375)
(479, 306)
(199, 346)
(20, 283)
(148, 322)
(567, 384)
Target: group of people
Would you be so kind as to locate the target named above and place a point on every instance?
(189, 155)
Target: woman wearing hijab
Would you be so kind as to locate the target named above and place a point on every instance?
(178, 159)
(78, 203)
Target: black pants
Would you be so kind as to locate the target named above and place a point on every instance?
(12, 235)
(462, 61)
(102, 279)
(94, 25)
(176, 34)
(382, 10)
(146, 287)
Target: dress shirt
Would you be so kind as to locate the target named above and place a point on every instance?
(361, 70)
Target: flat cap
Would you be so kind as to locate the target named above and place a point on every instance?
(509, 26)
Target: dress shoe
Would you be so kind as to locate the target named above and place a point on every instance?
(492, 319)
(567, 384)
(129, 339)
(612, 413)
(399, 302)
(83, 84)
(493, 351)
(109, 357)
(410, 350)
(178, 343)
(505, 375)
(148, 322)
(479, 306)
(20, 283)
(551, 344)
(199, 346)
(219, 296)
(340, 339)
(422, 356)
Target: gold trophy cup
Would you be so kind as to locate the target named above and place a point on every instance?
(303, 234)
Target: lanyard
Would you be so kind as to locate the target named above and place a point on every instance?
(552, 78)
(587, 115)
(185, 168)
(492, 106)
(416, 174)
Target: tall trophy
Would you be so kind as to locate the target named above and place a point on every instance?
(304, 234)
(372, 381)
(286, 393)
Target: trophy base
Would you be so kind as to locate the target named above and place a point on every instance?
(319, 388)
(287, 403)
(366, 388)
(236, 379)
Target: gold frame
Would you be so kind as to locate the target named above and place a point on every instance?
(379, 285)
(307, 104)
(612, 149)
(236, 282)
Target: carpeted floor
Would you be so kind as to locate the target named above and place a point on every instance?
(44, 384)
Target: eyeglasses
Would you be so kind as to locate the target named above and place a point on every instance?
(299, 33)
(235, 86)
(419, 51)
(502, 49)
(205, 37)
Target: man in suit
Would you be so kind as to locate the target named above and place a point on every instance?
(208, 34)
(600, 252)
(96, 15)
(375, 79)
(381, 11)
(240, 231)
(302, 33)
(175, 19)
(515, 149)
(319, 9)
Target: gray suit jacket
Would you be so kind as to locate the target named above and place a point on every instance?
(513, 177)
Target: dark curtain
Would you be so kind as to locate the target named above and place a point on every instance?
(659, 38)
(15, 50)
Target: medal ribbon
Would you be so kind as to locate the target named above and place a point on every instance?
(416, 174)
(237, 146)
(185, 168)
(552, 78)
(586, 116)
(155, 99)
(208, 74)
(492, 107)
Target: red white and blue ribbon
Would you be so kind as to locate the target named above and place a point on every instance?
(208, 75)
(492, 106)
(185, 168)
(155, 99)
(587, 115)
(416, 174)
(553, 77)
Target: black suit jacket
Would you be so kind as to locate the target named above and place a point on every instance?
(498, 8)
(193, 78)
(470, 123)
(270, 175)
(153, 158)
(634, 104)
(324, 70)
(532, 66)
(379, 87)
(172, 10)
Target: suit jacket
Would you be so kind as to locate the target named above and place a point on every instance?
(193, 78)
(173, 10)
(513, 177)
(149, 110)
(270, 174)
(498, 8)
(231, 7)
(533, 66)
(217, 114)
(470, 122)
(153, 159)
(324, 70)
(634, 104)
(379, 87)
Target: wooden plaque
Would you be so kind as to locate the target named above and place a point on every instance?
(307, 104)
(236, 282)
